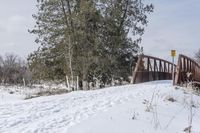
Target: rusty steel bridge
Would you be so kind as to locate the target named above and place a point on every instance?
(149, 68)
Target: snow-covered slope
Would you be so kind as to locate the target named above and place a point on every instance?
(12, 93)
(8, 95)
(141, 108)
(7, 98)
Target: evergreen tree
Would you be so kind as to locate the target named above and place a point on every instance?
(90, 39)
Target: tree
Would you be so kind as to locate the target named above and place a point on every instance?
(118, 50)
(13, 70)
(90, 39)
(197, 56)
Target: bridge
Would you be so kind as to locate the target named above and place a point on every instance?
(149, 68)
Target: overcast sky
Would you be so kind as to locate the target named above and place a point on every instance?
(174, 24)
(15, 20)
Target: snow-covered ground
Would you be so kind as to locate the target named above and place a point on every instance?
(16, 92)
(7, 98)
(140, 108)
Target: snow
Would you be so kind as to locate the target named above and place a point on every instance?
(7, 98)
(7, 95)
(16, 92)
(119, 109)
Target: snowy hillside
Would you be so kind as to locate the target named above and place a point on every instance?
(141, 108)
(12, 93)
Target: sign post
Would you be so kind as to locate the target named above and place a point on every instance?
(173, 54)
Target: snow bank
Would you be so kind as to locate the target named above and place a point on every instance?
(120, 109)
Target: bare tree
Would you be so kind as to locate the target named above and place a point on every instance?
(13, 70)
(1, 67)
(197, 56)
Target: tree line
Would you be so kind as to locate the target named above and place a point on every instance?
(93, 41)
(13, 70)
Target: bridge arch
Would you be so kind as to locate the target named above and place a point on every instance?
(149, 68)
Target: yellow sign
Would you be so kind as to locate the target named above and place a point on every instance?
(173, 53)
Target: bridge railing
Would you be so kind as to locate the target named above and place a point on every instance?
(187, 70)
(149, 68)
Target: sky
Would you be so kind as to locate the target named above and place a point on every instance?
(174, 24)
(15, 20)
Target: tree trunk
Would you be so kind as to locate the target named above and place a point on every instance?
(67, 81)
(70, 62)
(77, 83)
(24, 82)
